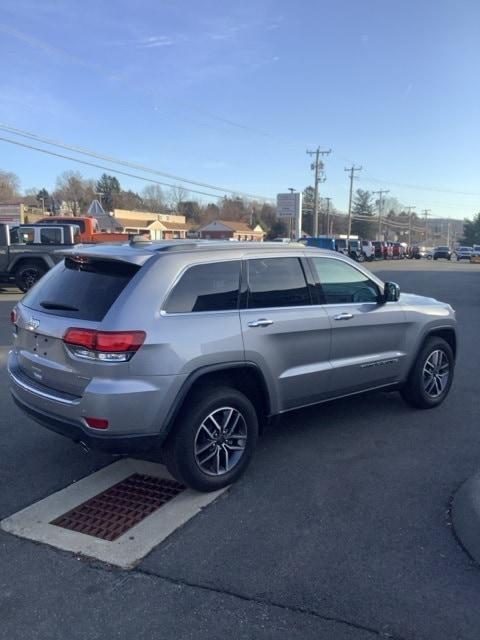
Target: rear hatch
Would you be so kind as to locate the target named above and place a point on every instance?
(77, 293)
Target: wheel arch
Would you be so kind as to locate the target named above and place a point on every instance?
(34, 258)
(243, 376)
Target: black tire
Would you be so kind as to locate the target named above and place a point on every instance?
(413, 392)
(179, 450)
(27, 274)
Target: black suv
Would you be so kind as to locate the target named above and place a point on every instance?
(442, 252)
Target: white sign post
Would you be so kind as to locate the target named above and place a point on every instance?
(289, 205)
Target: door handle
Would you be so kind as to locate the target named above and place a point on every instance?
(261, 322)
(343, 316)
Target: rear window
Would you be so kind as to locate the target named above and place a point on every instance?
(81, 288)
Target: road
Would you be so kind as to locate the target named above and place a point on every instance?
(340, 529)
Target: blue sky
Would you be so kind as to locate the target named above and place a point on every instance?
(233, 93)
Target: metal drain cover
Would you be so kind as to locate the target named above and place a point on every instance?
(113, 512)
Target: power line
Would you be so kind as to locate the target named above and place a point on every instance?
(419, 187)
(104, 168)
(132, 165)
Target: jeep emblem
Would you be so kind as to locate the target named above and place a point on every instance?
(32, 324)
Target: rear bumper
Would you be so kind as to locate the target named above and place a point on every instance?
(137, 409)
(122, 445)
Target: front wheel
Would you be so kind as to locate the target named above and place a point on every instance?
(213, 440)
(431, 376)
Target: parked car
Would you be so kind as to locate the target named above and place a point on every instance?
(190, 346)
(380, 249)
(321, 242)
(417, 252)
(464, 253)
(442, 252)
(475, 257)
(355, 250)
(368, 250)
(341, 245)
(28, 251)
(398, 250)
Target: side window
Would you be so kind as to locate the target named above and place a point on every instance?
(206, 287)
(51, 236)
(341, 283)
(276, 282)
(26, 235)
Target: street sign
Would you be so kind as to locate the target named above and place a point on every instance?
(11, 213)
(289, 205)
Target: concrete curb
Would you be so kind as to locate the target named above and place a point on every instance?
(466, 516)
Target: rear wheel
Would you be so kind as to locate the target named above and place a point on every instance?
(27, 274)
(213, 440)
(431, 377)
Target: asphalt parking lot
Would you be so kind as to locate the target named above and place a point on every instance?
(339, 530)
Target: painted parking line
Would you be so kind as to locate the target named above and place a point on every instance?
(36, 522)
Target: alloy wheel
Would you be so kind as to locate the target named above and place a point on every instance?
(436, 373)
(220, 441)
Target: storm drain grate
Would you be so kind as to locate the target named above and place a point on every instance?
(119, 508)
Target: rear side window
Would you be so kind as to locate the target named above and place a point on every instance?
(206, 287)
(276, 282)
(51, 236)
(81, 288)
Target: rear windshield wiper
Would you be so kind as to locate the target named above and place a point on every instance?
(47, 304)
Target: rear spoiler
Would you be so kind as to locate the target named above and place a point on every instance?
(105, 252)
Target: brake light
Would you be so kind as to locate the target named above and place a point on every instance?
(106, 346)
(13, 316)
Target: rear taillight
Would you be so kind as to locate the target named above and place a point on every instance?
(104, 346)
(13, 316)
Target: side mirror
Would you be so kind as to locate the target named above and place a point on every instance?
(391, 292)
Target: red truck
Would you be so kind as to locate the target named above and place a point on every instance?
(89, 231)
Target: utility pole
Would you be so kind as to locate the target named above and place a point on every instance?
(380, 209)
(410, 225)
(352, 170)
(328, 215)
(319, 177)
(426, 213)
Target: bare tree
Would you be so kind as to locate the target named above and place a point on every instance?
(177, 195)
(30, 197)
(153, 198)
(77, 192)
(9, 187)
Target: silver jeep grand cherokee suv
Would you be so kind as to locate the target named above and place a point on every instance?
(192, 345)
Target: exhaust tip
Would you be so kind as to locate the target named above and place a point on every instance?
(85, 447)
